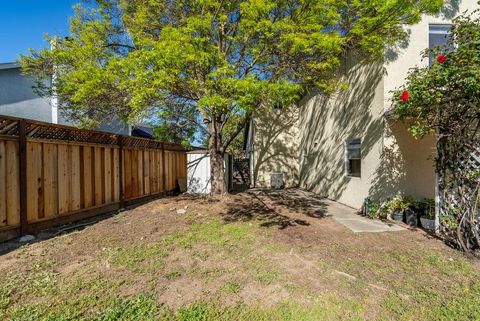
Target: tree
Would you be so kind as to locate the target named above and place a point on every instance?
(178, 124)
(225, 59)
(444, 99)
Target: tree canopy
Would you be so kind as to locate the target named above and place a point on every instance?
(221, 61)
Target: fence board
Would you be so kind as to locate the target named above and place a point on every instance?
(134, 163)
(161, 173)
(88, 186)
(128, 173)
(108, 175)
(63, 179)
(70, 173)
(140, 173)
(74, 153)
(3, 184)
(50, 179)
(116, 175)
(153, 173)
(146, 172)
(13, 183)
(34, 181)
(98, 167)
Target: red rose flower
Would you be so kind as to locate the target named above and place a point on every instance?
(404, 96)
(441, 58)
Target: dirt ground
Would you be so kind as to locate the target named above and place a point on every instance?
(268, 256)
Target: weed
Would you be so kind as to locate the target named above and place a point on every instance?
(231, 287)
(173, 275)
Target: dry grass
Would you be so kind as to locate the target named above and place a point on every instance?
(235, 258)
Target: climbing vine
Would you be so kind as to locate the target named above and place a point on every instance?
(444, 99)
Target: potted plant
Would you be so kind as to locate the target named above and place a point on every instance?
(397, 208)
(412, 210)
(428, 218)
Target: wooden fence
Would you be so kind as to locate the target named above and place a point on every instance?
(52, 174)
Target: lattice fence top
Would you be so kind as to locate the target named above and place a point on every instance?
(9, 126)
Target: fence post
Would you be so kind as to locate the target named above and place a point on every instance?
(120, 176)
(22, 148)
(164, 174)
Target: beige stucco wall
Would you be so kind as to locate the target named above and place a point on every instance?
(398, 61)
(275, 146)
(325, 125)
(407, 164)
(392, 160)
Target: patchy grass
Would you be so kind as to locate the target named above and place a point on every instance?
(150, 264)
(139, 258)
(231, 287)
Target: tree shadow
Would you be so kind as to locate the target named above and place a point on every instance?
(450, 9)
(328, 121)
(267, 206)
(275, 148)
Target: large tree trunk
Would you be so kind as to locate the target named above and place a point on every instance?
(217, 171)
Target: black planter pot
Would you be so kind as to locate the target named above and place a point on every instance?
(411, 218)
(397, 216)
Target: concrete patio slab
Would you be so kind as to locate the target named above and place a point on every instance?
(343, 214)
(358, 224)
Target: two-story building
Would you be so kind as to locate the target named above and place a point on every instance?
(345, 147)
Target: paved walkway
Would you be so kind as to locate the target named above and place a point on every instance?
(343, 214)
(349, 217)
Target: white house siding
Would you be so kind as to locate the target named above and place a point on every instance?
(18, 99)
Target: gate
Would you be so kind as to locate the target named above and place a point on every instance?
(241, 173)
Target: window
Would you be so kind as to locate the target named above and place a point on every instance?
(353, 159)
(438, 36)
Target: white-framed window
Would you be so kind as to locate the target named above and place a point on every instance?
(438, 36)
(353, 157)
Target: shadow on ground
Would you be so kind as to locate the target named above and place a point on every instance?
(263, 205)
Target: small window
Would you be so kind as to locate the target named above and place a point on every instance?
(438, 36)
(353, 158)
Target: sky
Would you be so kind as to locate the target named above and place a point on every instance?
(23, 24)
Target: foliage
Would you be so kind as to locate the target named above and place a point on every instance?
(399, 203)
(225, 60)
(177, 124)
(236, 147)
(444, 98)
(402, 203)
(429, 208)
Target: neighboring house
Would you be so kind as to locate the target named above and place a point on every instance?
(18, 99)
(345, 147)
